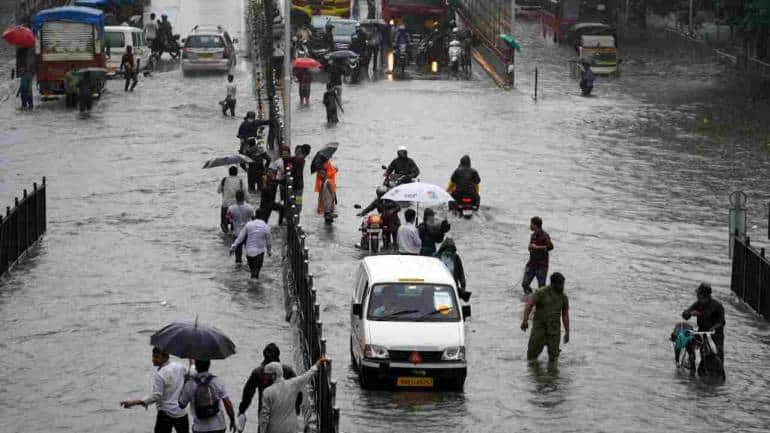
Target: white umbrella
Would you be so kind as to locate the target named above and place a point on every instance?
(418, 192)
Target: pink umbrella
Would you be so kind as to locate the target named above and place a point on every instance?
(19, 36)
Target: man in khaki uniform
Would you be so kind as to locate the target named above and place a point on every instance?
(551, 308)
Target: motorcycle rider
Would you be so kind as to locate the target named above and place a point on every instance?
(403, 167)
(329, 37)
(465, 182)
(165, 35)
(402, 37)
(359, 45)
(388, 210)
(711, 317)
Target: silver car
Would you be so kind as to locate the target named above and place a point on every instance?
(208, 49)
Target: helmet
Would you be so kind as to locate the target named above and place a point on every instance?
(455, 30)
(164, 16)
(358, 25)
(381, 190)
(401, 149)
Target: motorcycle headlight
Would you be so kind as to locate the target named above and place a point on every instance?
(455, 353)
(372, 351)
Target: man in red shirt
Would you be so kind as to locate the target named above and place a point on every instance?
(539, 245)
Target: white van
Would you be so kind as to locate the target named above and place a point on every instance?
(117, 38)
(406, 324)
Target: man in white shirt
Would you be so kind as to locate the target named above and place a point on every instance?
(208, 415)
(408, 236)
(229, 102)
(257, 239)
(228, 187)
(239, 215)
(167, 383)
(151, 32)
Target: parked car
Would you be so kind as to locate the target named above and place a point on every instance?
(407, 326)
(208, 49)
(343, 30)
(116, 39)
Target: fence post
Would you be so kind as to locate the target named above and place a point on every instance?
(536, 74)
(3, 254)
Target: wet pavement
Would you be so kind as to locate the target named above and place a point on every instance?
(633, 197)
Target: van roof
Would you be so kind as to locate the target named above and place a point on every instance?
(122, 29)
(393, 268)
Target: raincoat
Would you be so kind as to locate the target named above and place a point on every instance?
(278, 400)
(448, 256)
(326, 187)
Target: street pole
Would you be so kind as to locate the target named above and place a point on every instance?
(690, 20)
(287, 73)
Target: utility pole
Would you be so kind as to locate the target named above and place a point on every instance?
(692, 32)
(287, 73)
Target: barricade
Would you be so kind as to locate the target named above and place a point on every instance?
(751, 276)
(22, 226)
(300, 291)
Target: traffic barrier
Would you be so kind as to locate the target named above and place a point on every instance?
(22, 226)
(751, 276)
(300, 294)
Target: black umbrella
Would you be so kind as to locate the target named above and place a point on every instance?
(192, 340)
(322, 156)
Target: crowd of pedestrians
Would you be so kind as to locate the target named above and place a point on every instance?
(175, 388)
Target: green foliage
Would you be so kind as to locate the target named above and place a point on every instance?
(756, 15)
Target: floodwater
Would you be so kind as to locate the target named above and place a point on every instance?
(634, 199)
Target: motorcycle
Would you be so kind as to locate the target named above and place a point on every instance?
(710, 365)
(455, 57)
(170, 46)
(393, 180)
(400, 60)
(371, 233)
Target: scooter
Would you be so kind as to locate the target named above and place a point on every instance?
(464, 206)
(371, 233)
(455, 56)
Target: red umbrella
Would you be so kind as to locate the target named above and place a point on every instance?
(305, 63)
(19, 36)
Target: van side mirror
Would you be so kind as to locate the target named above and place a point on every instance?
(358, 310)
(384, 168)
(466, 309)
(356, 206)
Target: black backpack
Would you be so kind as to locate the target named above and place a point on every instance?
(205, 399)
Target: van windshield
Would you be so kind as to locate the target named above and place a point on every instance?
(114, 39)
(404, 302)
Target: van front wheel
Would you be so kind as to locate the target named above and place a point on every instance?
(366, 378)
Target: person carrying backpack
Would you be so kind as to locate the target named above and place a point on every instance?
(208, 397)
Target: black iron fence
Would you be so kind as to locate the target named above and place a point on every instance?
(300, 295)
(298, 284)
(260, 16)
(751, 276)
(22, 226)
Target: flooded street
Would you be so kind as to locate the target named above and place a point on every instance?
(633, 198)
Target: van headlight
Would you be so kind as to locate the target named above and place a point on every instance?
(455, 353)
(372, 351)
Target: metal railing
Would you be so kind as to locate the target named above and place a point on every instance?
(751, 276)
(300, 290)
(22, 226)
(300, 295)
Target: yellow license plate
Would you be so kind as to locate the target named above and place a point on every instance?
(421, 382)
